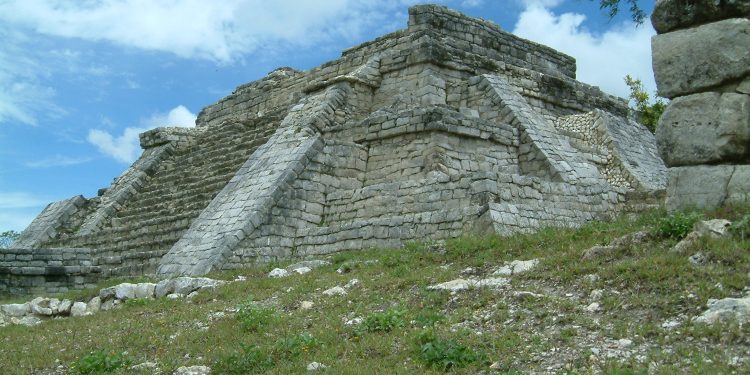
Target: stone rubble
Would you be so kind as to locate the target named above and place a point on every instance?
(39, 308)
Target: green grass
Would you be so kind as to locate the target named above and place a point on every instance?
(408, 329)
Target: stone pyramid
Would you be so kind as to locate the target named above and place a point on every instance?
(446, 127)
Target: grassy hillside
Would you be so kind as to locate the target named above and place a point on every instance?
(543, 321)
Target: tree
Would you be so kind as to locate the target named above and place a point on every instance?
(7, 238)
(648, 114)
(613, 8)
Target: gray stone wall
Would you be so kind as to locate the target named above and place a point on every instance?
(27, 271)
(702, 62)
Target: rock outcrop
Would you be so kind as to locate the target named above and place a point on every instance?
(448, 126)
(701, 61)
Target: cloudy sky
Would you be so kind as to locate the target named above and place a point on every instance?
(80, 79)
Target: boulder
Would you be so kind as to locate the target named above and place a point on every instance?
(107, 294)
(335, 291)
(94, 305)
(64, 307)
(707, 186)
(705, 128)
(686, 244)
(124, 291)
(695, 60)
(302, 270)
(41, 306)
(16, 309)
(144, 290)
(713, 228)
(278, 272)
(311, 264)
(78, 309)
(737, 309)
(463, 284)
(516, 267)
(669, 15)
(184, 285)
(29, 321)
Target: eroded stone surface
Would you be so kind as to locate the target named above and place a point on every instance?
(696, 59)
(705, 128)
(669, 15)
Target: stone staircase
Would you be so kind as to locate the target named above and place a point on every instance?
(145, 226)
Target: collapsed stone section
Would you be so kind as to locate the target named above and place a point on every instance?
(702, 62)
(446, 127)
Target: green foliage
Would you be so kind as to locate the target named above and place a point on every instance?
(613, 8)
(7, 238)
(385, 321)
(648, 114)
(99, 362)
(445, 354)
(677, 225)
(252, 316)
(252, 360)
(292, 347)
(741, 228)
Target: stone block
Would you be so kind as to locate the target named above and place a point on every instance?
(706, 128)
(694, 60)
(669, 15)
(707, 186)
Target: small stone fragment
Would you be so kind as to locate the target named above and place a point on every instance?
(316, 366)
(306, 305)
(278, 272)
(335, 291)
(193, 370)
(593, 307)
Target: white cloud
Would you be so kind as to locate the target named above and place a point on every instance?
(22, 93)
(221, 31)
(126, 148)
(57, 161)
(178, 116)
(12, 200)
(603, 59)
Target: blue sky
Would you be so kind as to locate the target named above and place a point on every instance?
(80, 79)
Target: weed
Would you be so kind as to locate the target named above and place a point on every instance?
(99, 362)
(677, 225)
(429, 319)
(292, 347)
(252, 316)
(252, 360)
(445, 354)
(384, 322)
(741, 228)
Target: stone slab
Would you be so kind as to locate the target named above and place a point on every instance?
(707, 186)
(706, 128)
(695, 60)
(669, 15)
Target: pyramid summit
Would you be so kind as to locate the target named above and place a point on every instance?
(446, 127)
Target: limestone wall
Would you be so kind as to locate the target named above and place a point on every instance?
(702, 62)
(27, 271)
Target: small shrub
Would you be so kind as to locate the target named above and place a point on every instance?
(741, 228)
(429, 318)
(677, 225)
(384, 322)
(252, 360)
(445, 354)
(252, 316)
(99, 362)
(293, 347)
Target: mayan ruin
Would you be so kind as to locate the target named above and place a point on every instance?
(448, 126)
